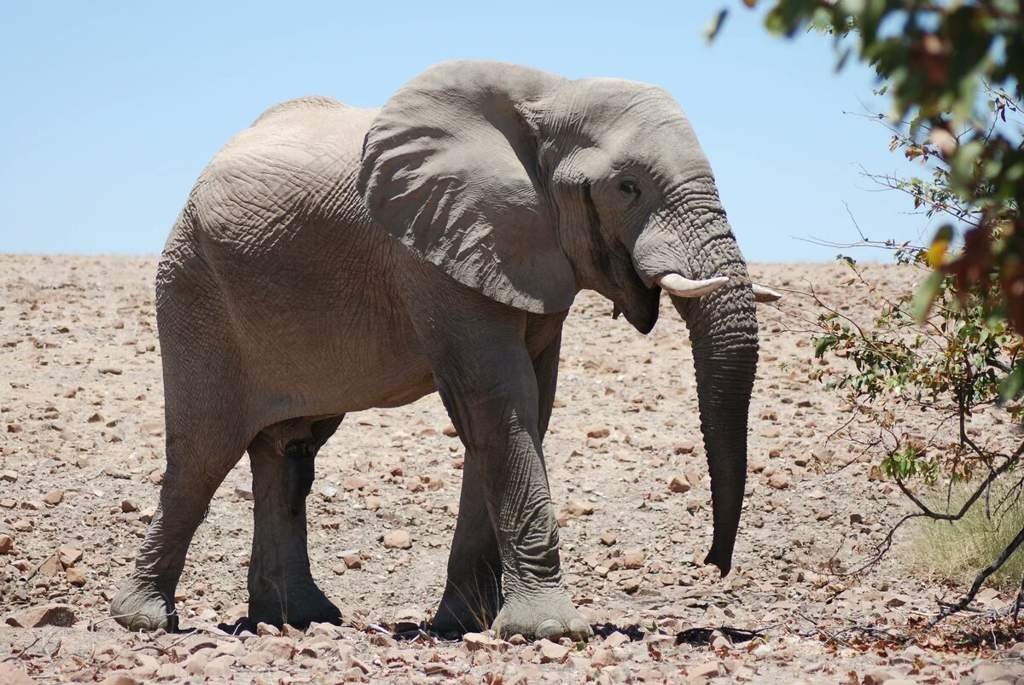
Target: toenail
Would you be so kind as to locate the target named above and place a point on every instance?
(550, 628)
(580, 629)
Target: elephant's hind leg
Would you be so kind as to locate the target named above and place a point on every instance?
(281, 587)
(198, 459)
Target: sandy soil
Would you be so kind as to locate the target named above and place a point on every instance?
(81, 457)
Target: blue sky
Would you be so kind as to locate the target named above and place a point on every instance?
(112, 109)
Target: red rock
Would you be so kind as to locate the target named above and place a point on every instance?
(75, 576)
(68, 555)
(679, 484)
(62, 615)
(6, 544)
(54, 497)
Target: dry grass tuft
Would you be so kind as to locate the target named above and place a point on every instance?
(957, 551)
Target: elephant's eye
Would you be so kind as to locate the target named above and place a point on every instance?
(629, 187)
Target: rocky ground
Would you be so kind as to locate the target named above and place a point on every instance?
(81, 460)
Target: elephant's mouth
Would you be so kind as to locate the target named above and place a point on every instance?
(639, 304)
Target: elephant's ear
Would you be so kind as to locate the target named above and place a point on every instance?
(449, 168)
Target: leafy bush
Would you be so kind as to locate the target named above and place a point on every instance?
(935, 376)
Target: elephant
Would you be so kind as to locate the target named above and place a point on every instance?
(331, 259)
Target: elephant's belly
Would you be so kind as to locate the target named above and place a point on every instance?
(320, 327)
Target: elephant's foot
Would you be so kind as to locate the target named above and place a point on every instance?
(298, 604)
(467, 607)
(142, 605)
(548, 614)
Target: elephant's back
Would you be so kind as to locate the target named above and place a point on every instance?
(298, 161)
(277, 236)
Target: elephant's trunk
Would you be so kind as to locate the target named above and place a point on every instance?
(692, 237)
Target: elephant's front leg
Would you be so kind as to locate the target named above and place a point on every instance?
(492, 395)
(472, 594)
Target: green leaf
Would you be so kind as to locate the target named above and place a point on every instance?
(925, 294)
(1011, 386)
(824, 344)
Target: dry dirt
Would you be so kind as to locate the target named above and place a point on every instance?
(81, 457)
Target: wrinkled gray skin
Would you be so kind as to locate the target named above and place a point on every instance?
(333, 259)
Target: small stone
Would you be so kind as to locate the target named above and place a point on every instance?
(679, 484)
(244, 492)
(450, 431)
(577, 507)
(110, 370)
(683, 448)
(9, 476)
(12, 675)
(352, 560)
(896, 601)
(127, 506)
(156, 477)
(779, 480)
(50, 567)
(630, 585)
(479, 642)
(721, 642)
(633, 559)
(338, 569)
(69, 556)
(985, 673)
(608, 538)
(6, 544)
(75, 576)
(219, 666)
(372, 502)
(22, 525)
(119, 679)
(602, 657)
(54, 497)
(551, 652)
(397, 539)
(267, 629)
(703, 672)
(354, 483)
(61, 615)
(598, 432)
(616, 639)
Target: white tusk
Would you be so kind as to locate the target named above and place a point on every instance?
(680, 286)
(763, 294)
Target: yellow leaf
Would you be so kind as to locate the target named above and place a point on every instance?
(937, 252)
(940, 245)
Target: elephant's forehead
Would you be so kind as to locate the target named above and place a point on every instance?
(620, 103)
(634, 123)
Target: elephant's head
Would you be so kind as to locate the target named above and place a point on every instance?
(529, 187)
